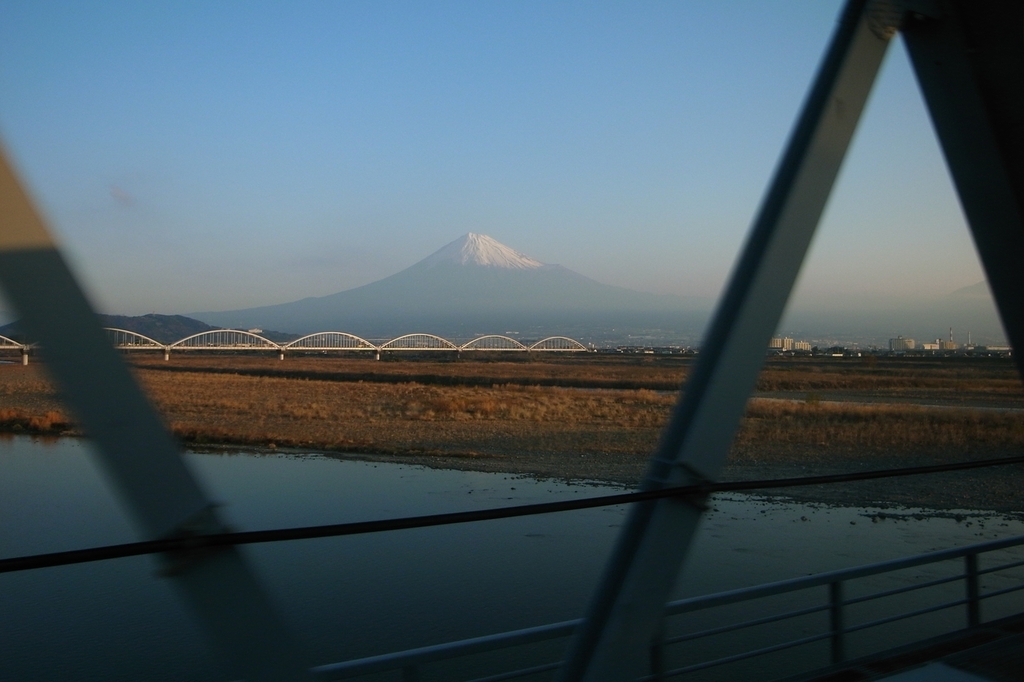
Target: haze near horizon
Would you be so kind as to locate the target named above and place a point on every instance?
(228, 156)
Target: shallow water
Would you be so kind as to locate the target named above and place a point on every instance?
(357, 596)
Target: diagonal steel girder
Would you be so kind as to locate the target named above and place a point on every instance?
(969, 61)
(134, 449)
(626, 610)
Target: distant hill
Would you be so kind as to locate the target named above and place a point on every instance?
(979, 291)
(969, 311)
(476, 285)
(162, 328)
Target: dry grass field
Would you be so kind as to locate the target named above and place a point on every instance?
(572, 405)
(963, 381)
(584, 417)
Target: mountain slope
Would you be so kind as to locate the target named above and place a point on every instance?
(479, 249)
(472, 285)
(162, 328)
(979, 291)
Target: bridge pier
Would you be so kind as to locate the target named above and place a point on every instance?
(167, 354)
(24, 356)
(376, 355)
(280, 356)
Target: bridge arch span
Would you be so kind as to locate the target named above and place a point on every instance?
(493, 342)
(330, 341)
(10, 343)
(237, 339)
(419, 342)
(224, 339)
(124, 339)
(559, 344)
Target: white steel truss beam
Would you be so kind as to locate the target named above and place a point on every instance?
(132, 446)
(969, 60)
(626, 610)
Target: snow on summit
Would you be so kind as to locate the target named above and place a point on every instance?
(479, 249)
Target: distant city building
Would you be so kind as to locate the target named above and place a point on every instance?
(900, 343)
(930, 346)
(948, 345)
(781, 343)
(801, 345)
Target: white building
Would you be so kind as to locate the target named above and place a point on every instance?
(900, 343)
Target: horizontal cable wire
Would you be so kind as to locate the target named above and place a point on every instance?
(694, 492)
(904, 616)
(1002, 567)
(999, 593)
(739, 657)
(745, 624)
(907, 588)
(543, 668)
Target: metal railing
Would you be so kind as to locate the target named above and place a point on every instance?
(409, 663)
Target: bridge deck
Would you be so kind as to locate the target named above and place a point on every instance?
(993, 652)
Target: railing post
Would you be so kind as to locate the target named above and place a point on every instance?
(973, 601)
(658, 653)
(835, 611)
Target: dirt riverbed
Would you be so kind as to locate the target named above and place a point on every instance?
(821, 418)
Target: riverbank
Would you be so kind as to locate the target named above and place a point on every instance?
(997, 489)
(603, 435)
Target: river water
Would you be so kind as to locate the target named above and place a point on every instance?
(358, 596)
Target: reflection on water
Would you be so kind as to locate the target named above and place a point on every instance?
(357, 596)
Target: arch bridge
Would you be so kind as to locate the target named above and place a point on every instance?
(225, 339)
(239, 340)
(129, 340)
(419, 342)
(324, 341)
(11, 344)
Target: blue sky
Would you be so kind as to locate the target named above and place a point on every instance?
(207, 156)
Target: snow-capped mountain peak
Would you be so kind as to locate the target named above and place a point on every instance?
(479, 249)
